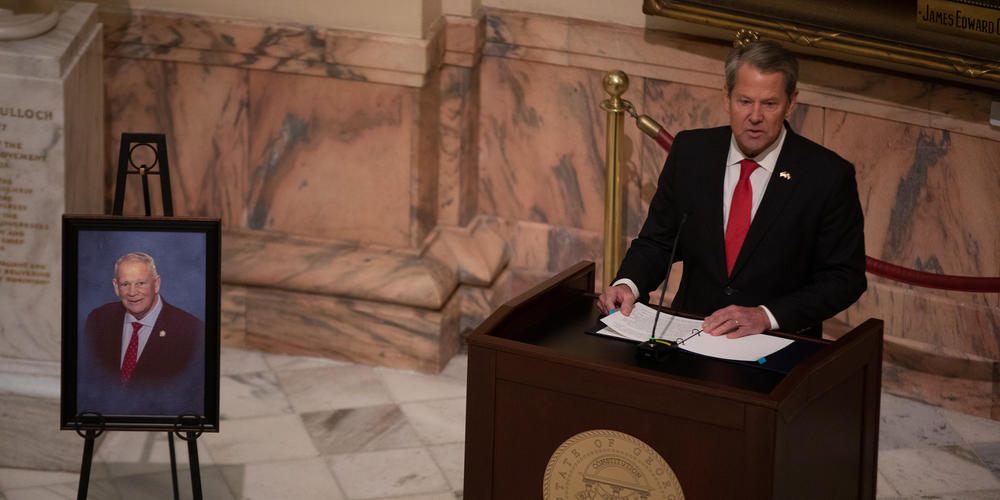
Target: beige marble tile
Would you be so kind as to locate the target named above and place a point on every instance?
(13, 479)
(457, 368)
(450, 458)
(263, 439)
(388, 473)
(305, 479)
(127, 453)
(904, 423)
(439, 421)
(973, 429)
(405, 386)
(882, 487)
(332, 388)
(284, 362)
(100, 489)
(352, 430)
(242, 361)
(251, 395)
(29, 431)
(202, 111)
(213, 485)
(932, 471)
(431, 496)
(303, 160)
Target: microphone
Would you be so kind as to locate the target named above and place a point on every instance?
(656, 349)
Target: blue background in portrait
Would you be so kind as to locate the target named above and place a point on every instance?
(180, 262)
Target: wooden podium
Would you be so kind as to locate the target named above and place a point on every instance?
(728, 430)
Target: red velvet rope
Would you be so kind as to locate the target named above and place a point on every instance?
(892, 271)
(931, 280)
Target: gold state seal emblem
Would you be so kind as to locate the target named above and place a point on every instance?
(603, 465)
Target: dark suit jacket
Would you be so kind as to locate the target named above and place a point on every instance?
(169, 376)
(803, 257)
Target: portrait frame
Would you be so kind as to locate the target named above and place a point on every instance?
(175, 383)
(887, 35)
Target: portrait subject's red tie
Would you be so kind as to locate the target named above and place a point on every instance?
(131, 353)
(739, 213)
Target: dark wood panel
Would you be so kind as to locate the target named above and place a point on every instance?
(728, 430)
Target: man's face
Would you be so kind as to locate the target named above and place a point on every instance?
(137, 288)
(757, 106)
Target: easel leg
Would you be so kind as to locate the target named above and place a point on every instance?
(88, 455)
(192, 440)
(173, 464)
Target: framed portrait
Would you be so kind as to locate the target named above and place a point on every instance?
(140, 323)
(957, 40)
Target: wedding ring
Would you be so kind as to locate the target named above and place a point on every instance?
(737, 323)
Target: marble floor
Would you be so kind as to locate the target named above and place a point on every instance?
(290, 432)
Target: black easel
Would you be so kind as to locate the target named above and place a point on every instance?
(188, 427)
(160, 166)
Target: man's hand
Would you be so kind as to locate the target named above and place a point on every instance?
(736, 322)
(616, 297)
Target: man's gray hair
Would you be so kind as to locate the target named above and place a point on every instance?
(766, 56)
(140, 257)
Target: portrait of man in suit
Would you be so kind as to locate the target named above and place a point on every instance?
(772, 232)
(140, 355)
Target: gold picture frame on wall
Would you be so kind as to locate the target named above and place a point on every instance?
(958, 40)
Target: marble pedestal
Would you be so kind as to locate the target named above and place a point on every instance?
(51, 163)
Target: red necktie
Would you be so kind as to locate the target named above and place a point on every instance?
(131, 353)
(739, 213)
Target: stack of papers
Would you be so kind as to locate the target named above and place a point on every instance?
(638, 326)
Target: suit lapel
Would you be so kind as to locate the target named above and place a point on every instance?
(108, 344)
(779, 190)
(716, 175)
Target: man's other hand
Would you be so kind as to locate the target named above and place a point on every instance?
(616, 297)
(736, 321)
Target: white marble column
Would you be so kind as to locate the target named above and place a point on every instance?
(51, 163)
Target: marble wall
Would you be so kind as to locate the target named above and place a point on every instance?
(439, 176)
(342, 165)
(51, 163)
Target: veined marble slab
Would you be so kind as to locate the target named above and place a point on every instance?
(51, 162)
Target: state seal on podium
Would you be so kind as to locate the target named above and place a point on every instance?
(605, 464)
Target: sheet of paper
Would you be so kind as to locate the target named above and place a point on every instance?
(749, 348)
(639, 324)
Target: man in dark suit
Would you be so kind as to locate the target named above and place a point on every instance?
(141, 355)
(773, 232)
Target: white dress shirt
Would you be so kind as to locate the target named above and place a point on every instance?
(147, 328)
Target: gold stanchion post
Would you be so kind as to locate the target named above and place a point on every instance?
(615, 84)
